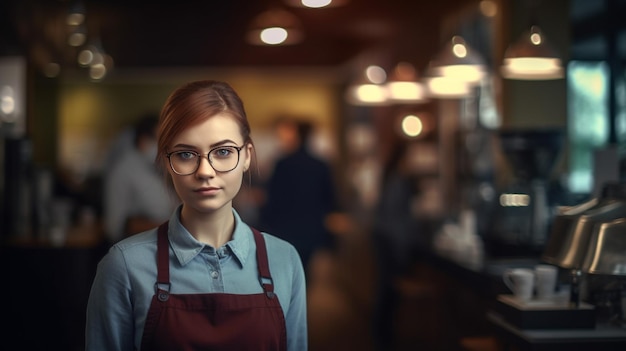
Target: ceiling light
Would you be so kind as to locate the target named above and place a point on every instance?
(458, 60)
(369, 88)
(315, 4)
(77, 37)
(532, 58)
(403, 85)
(488, 8)
(447, 87)
(76, 14)
(412, 125)
(275, 27)
(93, 57)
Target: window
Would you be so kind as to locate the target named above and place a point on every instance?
(588, 120)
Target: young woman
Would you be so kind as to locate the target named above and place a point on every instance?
(204, 280)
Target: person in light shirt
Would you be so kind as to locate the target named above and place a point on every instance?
(135, 196)
(204, 279)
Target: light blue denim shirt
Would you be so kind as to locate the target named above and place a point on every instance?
(124, 284)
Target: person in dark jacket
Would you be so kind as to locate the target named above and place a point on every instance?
(300, 193)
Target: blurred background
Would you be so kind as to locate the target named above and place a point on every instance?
(490, 148)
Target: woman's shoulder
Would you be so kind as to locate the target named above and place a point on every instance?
(278, 246)
(284, 259)
(138, 241)
(130, 252)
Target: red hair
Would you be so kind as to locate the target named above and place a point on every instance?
(193, 103)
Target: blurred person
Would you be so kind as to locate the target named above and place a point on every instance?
(204, 279)
(393, 227)
(135, 196)
(122, 143)
(300, 193)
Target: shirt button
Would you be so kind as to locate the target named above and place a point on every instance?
(215, 274)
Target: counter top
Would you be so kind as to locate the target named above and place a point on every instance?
(79, 236)
(599, 338)
(483, 276)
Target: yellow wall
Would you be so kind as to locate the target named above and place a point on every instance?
(91, 114)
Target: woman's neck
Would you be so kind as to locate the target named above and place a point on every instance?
(215, 228)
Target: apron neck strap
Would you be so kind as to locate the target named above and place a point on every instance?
(162, 285)
(264, 268)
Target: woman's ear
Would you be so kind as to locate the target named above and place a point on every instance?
(248, 159)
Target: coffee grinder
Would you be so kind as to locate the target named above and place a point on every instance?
(525, 206)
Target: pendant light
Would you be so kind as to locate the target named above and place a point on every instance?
(455, 70)
(316, 4)
(532, 58)
(369, 88)
(448, 87)
(403, 86)
(75, 14)
(459, 61)
(275, 27)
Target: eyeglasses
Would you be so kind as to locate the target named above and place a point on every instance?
(222, 158)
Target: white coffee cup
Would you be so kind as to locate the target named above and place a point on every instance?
(521, 281)
(546, 277)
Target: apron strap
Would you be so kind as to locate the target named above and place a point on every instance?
(263, 264)
(163, 285)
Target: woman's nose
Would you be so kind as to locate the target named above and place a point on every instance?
(205, 169)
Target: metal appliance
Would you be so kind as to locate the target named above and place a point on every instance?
(524, 211)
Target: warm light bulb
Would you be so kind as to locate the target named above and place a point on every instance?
(7, 101)
(97, 71)
(76, 39)
(273, 35)
(412, 126)
(316, 3)
(375, 74)
(85, 57)
(466, 73)
(448, 87)
(75, 19)
(535, 38)
(488, 8)
(409, 91)
(459, 50)
(532, 68)
(370, 93)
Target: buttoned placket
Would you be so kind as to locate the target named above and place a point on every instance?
(215, 271)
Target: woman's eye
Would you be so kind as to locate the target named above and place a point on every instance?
(186, 155)
(223, 152)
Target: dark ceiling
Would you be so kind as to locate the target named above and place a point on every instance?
(212, 32)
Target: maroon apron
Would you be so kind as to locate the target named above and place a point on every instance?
(214, 321)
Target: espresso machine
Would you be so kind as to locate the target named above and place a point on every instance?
(589, 239)
(525, 205)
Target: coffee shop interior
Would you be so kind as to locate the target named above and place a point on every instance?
(506, 120)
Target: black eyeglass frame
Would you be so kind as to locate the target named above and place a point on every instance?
(199, 157)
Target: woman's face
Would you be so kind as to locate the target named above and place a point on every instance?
(206, 190)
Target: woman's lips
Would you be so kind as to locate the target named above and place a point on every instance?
(207, 191)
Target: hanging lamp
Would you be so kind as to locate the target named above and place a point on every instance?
(275, 27)
(315, 4)
(369, 87)
(403, 86)
(532, 57)
(459, 61)
(455, 70)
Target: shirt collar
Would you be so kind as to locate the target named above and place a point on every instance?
(186, 247)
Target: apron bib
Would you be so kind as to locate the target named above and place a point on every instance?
(215, 321)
